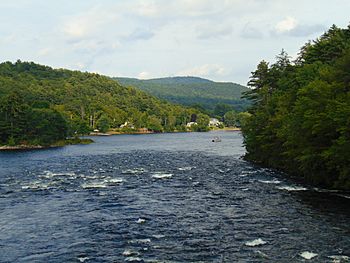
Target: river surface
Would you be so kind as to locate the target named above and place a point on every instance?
(163, 198)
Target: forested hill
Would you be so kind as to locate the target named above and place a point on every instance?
(300, 119)
(191, 90)
(39, 105)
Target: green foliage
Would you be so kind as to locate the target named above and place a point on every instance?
(300, 116)
(154, 124)
(230, 118)
(103, 123)
(222, 108)
(41, 105)
(202, 121)
(202, 93)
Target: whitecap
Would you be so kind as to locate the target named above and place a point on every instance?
(140, 241)
(134, 171)
(274, 181)
(262, 254)
(114, 180)
(292, 188)
(141, 221)
(83, 259)
(308, 255)
(161, 176)
(344, 196)
(94, 185)
(256, 242)
(339, 258)
(186, 168)
(326, 190)
(37, 185)
(49, 174)
(128, 253)
(133, 259)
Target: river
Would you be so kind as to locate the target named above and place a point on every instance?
(163, 198)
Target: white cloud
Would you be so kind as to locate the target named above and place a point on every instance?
(291, 27)
(286, 25)
(206, 70)
(85, 24)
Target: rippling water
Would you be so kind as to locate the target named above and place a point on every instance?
(163, 198)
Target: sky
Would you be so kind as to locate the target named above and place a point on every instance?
(222, 40)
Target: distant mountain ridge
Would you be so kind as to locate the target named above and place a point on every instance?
(191, 90)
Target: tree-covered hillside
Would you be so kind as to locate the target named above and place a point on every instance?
(301, 112)
(40, 105)
(192, 90)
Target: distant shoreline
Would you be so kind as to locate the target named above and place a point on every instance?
(62, 143)
(111, 132)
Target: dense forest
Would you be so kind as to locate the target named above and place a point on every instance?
(192, 91)
(41, 105)
(300, 120)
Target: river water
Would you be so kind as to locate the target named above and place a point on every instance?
(163, 198)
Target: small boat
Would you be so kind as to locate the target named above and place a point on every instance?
(216, 139)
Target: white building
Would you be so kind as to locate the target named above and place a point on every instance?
(213, 122)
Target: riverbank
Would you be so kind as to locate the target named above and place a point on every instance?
(144, 131)
(71, 141)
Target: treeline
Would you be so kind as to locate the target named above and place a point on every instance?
(40, 105)
(192, 90)
(300, 120)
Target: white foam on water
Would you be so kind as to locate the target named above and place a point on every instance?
(140, 241)
(308, 255)
(141, 221)
(128, 253)
(256, 242)
(186, 168)
(134, 171)
(339, 258)
(37, 185)
(161, 175)
(274, 181)
(94, 185)
(83, 259)
(133, 259)
(344, 196)
(262, 254)
(114, 180)
(292, 188)
(49, 174)
(325, 190)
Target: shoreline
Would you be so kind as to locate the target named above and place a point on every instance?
(73, 141)
(112, 132)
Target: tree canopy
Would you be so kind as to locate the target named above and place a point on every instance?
(40, 105)
(300, 114)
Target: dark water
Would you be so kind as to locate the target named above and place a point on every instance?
(162, 198)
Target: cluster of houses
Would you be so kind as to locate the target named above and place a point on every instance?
(213, 122)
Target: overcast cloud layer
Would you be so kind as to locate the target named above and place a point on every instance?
(221, 40)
